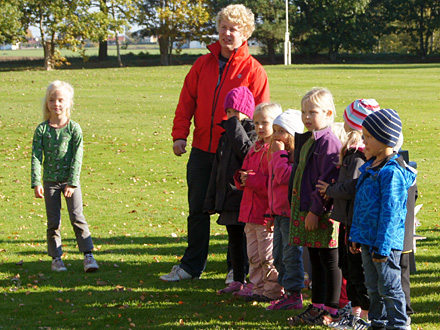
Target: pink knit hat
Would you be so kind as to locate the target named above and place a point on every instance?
(242, 100)
(357, 111)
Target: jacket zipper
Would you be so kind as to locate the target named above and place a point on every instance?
(217, 90)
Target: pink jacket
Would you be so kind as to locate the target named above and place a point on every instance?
(278, 190)
(254, 205)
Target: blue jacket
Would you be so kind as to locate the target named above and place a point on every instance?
(380, 205)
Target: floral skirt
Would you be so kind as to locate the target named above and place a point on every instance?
(325, 236)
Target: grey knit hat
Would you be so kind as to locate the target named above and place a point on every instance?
(384, 125)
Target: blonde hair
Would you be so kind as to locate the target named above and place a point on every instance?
(353, 138)
(272, 110)
(323, 99)
(339, 130)
(240, 15)
(54, 86)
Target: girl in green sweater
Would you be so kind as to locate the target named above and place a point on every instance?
(57, 147)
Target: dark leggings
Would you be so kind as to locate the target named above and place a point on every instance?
(326, 276)
(353, 272)
(237, 251)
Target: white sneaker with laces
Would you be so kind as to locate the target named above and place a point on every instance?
(90, 264)
(360, 324)
(176, 275)
(230, 277)
(58, 265)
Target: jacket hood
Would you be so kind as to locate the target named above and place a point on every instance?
(409, 173)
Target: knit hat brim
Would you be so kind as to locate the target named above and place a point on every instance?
(384, 125)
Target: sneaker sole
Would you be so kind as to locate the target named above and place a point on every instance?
(180, 280)
(59, 270)
(91, 270)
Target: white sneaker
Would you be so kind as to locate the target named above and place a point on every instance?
(90, 264)
(344, 323)
(58, 265)
(176, 275)
(230, 277)
(408, 323)
(360, 324)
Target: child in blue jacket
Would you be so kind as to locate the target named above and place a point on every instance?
(378, 226)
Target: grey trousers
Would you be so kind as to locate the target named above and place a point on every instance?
(52, 197)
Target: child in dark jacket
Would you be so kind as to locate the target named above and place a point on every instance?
(222, 196)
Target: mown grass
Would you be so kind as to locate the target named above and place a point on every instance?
(135, 198)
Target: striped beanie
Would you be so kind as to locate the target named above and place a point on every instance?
(384, 125)
(356, 112)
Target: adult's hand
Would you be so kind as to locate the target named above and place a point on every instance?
(179, 147)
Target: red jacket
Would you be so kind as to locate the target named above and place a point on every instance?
(202, 94)
(278, 191)
(254, 207)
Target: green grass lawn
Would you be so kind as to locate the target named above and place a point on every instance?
(134, 191)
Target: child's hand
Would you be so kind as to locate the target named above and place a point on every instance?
(244, 175)
(322, 187)
(354, 248)
(269, 226)
(277, 146)
(39, 192)
(311, 222)
(68, 191)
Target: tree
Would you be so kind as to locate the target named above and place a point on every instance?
(11, 29)
(64, 24)
(418, 18)
(173, 21)
(119, 13)
(328, 25)
(270, 23)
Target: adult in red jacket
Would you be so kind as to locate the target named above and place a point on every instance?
(228, 65)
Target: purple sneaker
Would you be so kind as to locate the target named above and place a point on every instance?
(245, 292)
(290, 301)
(232, 287)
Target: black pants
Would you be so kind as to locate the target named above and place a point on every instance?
(198, 176)
(326, 276)
(237, 251)
(353, 272)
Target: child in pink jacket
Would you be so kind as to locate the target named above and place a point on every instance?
(287, 258)
(253, 179)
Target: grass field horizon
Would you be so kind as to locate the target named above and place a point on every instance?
(134, 192)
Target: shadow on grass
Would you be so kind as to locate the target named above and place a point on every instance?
(152, 245)
(116, 297)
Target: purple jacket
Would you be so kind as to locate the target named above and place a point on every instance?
(321, 165)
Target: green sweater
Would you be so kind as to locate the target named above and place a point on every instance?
(62, 151)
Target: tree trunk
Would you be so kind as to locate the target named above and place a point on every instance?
(271, 50)
(103, 45)
(49, 53)
(117, 49)
(103, 51)
(163, 46)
